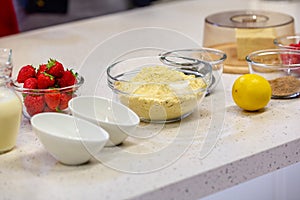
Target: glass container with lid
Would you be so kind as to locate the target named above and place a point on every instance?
(10, 115)
(239, 33)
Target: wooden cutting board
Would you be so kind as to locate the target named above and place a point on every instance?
(235, 69)
(232, 65)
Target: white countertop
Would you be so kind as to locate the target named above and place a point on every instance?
(240, 145)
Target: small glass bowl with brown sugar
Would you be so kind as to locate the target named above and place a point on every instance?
(281, 67)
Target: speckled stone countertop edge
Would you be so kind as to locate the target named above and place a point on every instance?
(229, 175)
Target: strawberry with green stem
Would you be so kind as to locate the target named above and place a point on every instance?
(45, 80)
(68, 79)
(55, 68)
(42, 68)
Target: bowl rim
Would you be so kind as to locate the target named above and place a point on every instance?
(280, 66)
(112, 79)
(222, 54)
(105, 135)
(134, 123)
(110, 66)
(276, 41)
(19, 87)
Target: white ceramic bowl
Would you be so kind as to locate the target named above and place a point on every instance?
(118, 120)
(70, 140)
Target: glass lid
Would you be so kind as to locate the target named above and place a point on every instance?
(249, 19)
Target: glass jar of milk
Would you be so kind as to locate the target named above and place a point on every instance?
(10, 115)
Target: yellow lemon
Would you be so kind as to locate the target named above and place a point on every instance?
(251, 92)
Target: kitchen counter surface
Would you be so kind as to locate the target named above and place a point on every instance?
(219, 145)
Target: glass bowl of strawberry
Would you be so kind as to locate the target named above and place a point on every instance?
(47, 88)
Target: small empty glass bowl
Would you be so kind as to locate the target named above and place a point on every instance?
(288, 42)
(158, 92)
(281, 67)
(213, 56)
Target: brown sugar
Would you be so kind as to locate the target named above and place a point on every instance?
(284, 86)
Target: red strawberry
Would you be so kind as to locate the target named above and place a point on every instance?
(45, 81)
(295, 45)
(290, 59)
(47, 109)
(25, 72)
(52, 99)
(55, 68)
(30, 83)
(42, 69)
(68, 79)
(34, 104)
(64, 99)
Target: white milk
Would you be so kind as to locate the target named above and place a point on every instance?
(10, 118)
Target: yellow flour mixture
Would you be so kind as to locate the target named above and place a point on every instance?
(161, 94)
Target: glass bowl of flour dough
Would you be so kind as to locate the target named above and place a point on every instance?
(158, 92)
